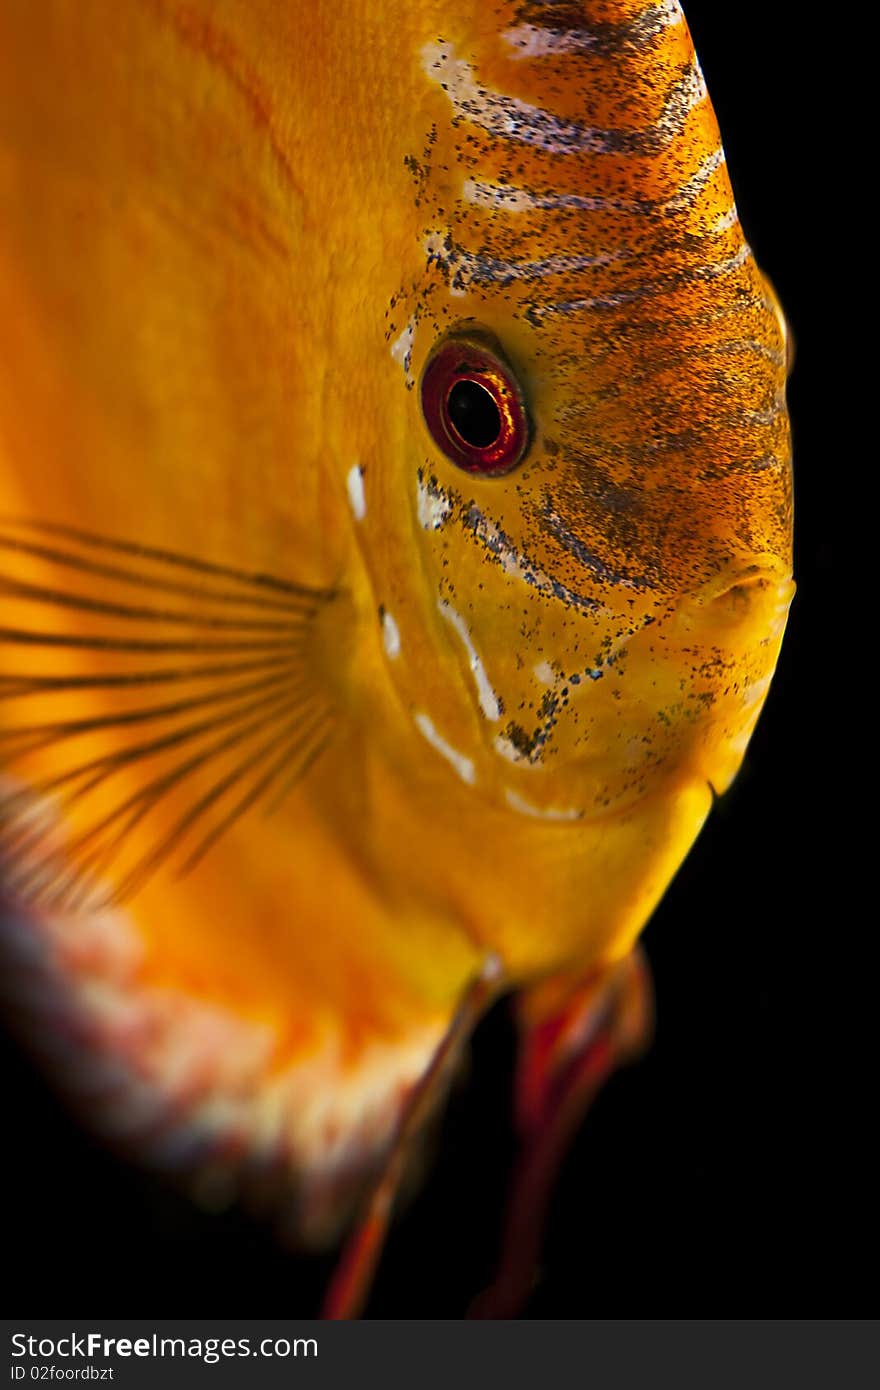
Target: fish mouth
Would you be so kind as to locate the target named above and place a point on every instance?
(675, 709)
(742, 612)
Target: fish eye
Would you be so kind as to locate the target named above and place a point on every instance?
(474, 408)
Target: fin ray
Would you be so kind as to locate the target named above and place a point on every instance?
(129, 802)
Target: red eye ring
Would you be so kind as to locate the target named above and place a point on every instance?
(474, 408)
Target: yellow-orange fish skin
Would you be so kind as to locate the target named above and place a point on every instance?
(233, 235)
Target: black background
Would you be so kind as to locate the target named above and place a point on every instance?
(717, 1177)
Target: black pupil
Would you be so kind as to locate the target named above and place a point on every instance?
(474, 414)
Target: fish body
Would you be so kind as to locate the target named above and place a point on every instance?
(487, 710)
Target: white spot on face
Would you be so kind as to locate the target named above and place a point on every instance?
(489, 702)
(390, 635)
(514, 119)
(757, 690)
(510, 198)
(432, 505)
(356, 495)
(534, 41)
(493, 967)
(463, 766)
(435, 244)
(508, 750)
(468, 268)
(726, 220)
(740, 742)
(554, 813)
(711, 271)
(545, 673)
(401, 349)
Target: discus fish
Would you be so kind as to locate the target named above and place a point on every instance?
(395, 550)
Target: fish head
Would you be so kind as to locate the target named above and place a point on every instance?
(587, 546)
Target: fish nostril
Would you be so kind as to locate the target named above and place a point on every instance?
(739, 597)
(757, 596)
(743, 588)
(743, 582)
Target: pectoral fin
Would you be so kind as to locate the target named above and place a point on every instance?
(152, 700)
